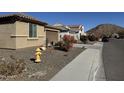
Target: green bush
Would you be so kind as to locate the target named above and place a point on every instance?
(83, 39)
(92, 38)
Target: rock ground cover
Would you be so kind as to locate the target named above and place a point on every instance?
(52, 62)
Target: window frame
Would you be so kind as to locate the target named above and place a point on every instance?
(32, 32)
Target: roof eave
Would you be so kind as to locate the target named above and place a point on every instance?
(30, 20)
(14, 18)
(52, 27)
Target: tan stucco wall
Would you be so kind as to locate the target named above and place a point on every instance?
(6, 39)
(16, 35)
(22, 36)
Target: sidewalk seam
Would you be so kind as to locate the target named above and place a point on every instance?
(91, 69)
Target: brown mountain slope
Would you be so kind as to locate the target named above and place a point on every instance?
(105, 29)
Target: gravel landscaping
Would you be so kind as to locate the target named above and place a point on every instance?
(52, 62)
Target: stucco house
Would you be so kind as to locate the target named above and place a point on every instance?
(64, 30)
(73, 30)
(76, 31)
(20, 31)
(52, 34)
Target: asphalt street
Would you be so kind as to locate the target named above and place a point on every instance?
(113, 59)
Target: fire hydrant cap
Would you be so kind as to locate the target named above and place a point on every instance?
(38, 50)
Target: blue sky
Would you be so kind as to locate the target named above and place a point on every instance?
(88, 19)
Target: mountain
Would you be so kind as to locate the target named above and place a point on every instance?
(105, 29)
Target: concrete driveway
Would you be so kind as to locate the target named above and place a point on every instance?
(85, 67)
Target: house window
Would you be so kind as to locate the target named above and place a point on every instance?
(32, 30)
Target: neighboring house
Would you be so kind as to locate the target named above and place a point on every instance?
(20, 31)
(73, 30)
(63, 30)
(76, 31)
(52, 34)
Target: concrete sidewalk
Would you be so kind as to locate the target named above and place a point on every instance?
(84, 67)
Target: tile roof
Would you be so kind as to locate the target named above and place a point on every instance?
(61, 26)
(53, 27)
(21, 17)
(17, 14)
(74, 28)
(73, 25)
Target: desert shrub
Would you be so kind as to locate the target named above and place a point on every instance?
(83, 39)
(67, 42)
(92, 38)
(72, 39)
(12, 68)
(68, 38)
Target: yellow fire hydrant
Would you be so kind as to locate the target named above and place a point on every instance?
(38, 55)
